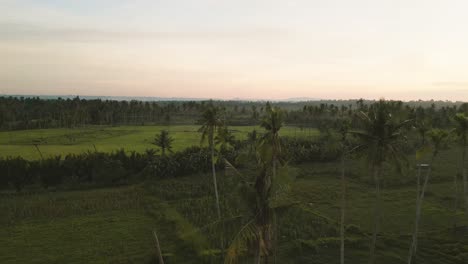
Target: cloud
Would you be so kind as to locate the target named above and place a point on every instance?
(22, 31)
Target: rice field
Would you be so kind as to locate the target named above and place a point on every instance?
(53, 142)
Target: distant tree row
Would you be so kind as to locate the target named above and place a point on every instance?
(33, 112)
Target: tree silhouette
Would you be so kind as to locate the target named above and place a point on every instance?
(164, 141)
(211, 121)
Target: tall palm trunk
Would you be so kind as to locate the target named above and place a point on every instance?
(455, 200)
(263, 218)
(343, 208)
(377, 171)
(465, 181)
(213, 170)
(215, 183)
(275, 226)
(419, 201)
(158, 248)
(258, 253)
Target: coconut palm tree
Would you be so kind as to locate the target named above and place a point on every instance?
(380, 138)
(264, 192)
(461, 131)
(164, 141)
(272, 122)
(252, 138)
(423, 127)
(211, 121)
(437, 139)
(265, 195)
(224, 138)
(270, 149)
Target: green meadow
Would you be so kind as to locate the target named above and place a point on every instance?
(53, 142)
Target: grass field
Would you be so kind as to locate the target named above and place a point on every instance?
(131, 138)
(114, 225)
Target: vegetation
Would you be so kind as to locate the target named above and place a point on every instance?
(282, 194)
(164, 141)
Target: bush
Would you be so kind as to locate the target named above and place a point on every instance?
(96, 168)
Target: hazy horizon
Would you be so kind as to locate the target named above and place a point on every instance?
(252, 50)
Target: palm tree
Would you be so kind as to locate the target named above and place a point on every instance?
(462, 133)
(437, 138)
(164, 141)
(270, 149)
(252, 138)
(423, 127)
(267, 193)
(211, 121)
(380, 139)
(272, 122)
(224, 138)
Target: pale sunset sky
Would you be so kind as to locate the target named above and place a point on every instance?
(249, 49)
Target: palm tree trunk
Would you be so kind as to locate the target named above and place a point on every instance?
(215, 183)
(158, 248)
(455, 200)
(419, 201)
(343, 208)
(213, 169)
(418, 177)
(275, 237)
(258, 253)
(38, 150)
(465, 181)
(377, 171)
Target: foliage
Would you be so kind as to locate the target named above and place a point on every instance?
(164, 141)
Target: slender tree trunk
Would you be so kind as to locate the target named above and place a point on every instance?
(465, 181)
(455, 201)
(158, 248)
(377, 171)
(418, 184)
(215, 183)
(38, 150)
(275, 237)
(258, 253)
(213, 169)
(343, 208)
(419, 201)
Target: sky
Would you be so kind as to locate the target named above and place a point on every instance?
(243, 49)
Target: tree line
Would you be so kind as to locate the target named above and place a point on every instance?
(34, 112)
